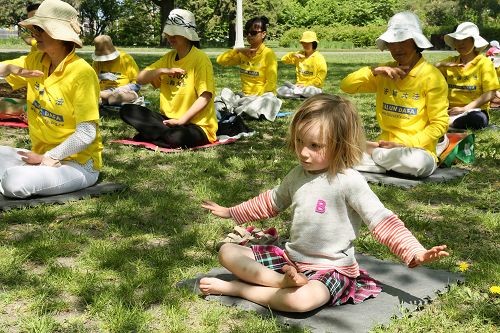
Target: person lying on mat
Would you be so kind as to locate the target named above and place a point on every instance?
(410, 108)
(317, 265)
(310, 69)
(62, 107)
(185, 78)
(471, 77)
(258, 73)
(117, 73)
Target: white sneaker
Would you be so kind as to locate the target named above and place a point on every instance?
(442, 144)
(368, 165)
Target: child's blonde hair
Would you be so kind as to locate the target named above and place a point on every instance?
(340, 126)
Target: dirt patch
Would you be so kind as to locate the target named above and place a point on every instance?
(6, 91)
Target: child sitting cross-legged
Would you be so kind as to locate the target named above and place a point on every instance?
(329, 201)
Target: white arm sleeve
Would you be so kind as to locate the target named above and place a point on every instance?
(83, 136)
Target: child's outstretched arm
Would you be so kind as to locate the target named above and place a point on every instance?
(216, 209)
(435, 253)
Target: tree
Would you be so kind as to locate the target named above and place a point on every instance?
(12, 12)
(166, 7)
(98, 15)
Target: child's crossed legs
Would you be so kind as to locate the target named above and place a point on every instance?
(290, 291)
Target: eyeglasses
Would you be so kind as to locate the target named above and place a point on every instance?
(37, 29)
(253, 32)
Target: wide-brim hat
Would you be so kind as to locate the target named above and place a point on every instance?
(58, 19)
(309, 37)
(403, 26)
(104, 49)
(466, 30)
(181, 22)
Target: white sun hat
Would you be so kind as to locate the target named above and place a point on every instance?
(494, 43)
(181, 22)
(58, 19)
(104, 49)
(466, 30)
(403, 26)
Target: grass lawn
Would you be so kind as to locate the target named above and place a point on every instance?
(110, 264)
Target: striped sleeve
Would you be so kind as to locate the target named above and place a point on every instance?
(258, 208)
(393, 233)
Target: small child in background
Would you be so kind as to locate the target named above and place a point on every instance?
(329, 201)
(471, 77)
(310, 69)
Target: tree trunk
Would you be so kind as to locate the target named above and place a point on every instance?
(165, 7)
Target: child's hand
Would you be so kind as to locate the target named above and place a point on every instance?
(429, 255)
(216, 209)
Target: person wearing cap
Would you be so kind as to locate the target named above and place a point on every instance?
(410, 108)
(258, 74)
(63, 113)
(185, 78)
(117, 72)
(310, 69)
(471, 77)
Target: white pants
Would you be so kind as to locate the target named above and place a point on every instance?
(266, 105)
(20, 180)
(292, 91)
(409, 161)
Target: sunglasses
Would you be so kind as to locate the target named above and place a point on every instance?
(253, 32)
(37, 29)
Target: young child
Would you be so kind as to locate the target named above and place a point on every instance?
(310, 69)
(186, 81)
(471, 77)
(329, 201)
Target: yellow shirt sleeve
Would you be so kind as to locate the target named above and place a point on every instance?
(360, 81)
(290, 58)
(229, 58)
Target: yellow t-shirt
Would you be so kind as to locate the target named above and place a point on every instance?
(310, 71)
(177, 94)
(117, 72)
(468, 83)
(57, 103)
(411, 111)
(259, 74)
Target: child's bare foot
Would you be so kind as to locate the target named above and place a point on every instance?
(292, 278)
(215, 286)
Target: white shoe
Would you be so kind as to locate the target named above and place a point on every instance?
(368, 165)
(442, 144)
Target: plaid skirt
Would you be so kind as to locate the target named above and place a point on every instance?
(343, 289)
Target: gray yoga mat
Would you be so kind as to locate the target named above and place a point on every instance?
(92, 191)
(394, 179)
(402, 288)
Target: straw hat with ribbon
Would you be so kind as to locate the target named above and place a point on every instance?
(58, 19)
(309, 37)
(403, 26)
(466, 30)
(104, 49)
(181, 22)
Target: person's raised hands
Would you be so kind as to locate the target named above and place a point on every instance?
(216, 209)
(435, 253)
(299, 55)
(449, 64)
(174, 71)
(248, 52)
(395, 73)
(20, 71)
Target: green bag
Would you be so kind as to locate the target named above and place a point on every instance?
(463, 150)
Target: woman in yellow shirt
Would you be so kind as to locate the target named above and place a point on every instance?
(185, 78)
(258, 74)
(471, 77)
(62, 107)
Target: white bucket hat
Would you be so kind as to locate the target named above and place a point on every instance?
(403, 26)
(58, 19)
(466, 30)
(104, 49)
(181, 22)
(494, 43)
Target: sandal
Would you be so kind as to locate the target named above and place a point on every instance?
(239, 236)
(267, 237)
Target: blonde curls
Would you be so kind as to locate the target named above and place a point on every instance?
(340, 126)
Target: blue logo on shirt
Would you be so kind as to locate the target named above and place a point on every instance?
(53, 116)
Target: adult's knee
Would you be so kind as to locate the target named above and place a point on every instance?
(15, 185)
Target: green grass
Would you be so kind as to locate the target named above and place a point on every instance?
(110, 264)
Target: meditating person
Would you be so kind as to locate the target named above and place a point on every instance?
(62, 107)
(329, 201)
(410, 108)
(117, 72)
(258, 74)
(310, 69)
(471, 77)
(185, 78)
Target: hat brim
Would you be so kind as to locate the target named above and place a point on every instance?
(57, 29)
(106, 57)
(308, 40)
(400, 35)
(175, 30)
(479, 42)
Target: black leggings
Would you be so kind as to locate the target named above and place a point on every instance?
(151, 128)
